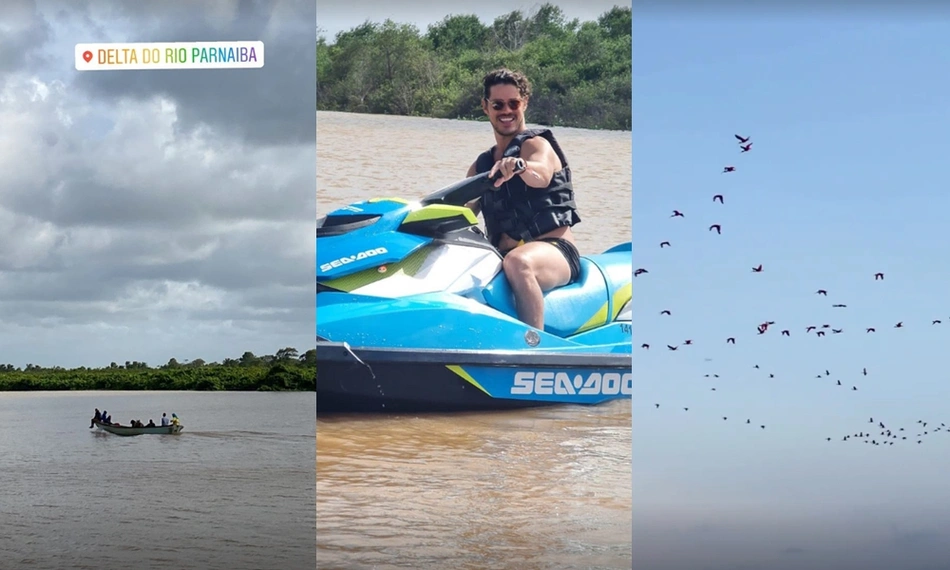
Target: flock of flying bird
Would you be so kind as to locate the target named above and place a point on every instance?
(876, 432)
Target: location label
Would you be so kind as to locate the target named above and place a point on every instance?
(174, 55)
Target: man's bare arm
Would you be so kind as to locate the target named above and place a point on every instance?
(541, 162)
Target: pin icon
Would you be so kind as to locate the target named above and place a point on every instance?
(87, 55)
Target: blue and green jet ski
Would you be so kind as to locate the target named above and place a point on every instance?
(414, 314)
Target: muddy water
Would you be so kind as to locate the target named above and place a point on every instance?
(231, 492)
(540, 489)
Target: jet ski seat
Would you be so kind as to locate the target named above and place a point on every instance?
(566, 309)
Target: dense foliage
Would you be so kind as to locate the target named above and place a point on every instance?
(285, 370)
(580, 71)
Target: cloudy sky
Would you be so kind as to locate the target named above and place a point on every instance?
(334, 16)
(146, 215)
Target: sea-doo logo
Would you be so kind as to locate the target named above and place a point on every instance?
(561, 383)
(350, 259)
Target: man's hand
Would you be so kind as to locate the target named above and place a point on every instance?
(509, 167)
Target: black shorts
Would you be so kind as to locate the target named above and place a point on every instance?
(570, 253)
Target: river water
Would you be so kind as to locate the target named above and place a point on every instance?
(234, 491)
(526, 490)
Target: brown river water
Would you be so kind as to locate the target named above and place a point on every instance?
(527, 490)
(233, 491)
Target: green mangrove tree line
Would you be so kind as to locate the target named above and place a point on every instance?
(580, 71)
(286, 370)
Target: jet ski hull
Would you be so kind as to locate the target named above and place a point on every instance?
(387, 380)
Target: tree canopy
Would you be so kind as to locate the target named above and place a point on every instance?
(579, 71)
(286, 369)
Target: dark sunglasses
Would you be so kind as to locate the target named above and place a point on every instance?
(498, 104)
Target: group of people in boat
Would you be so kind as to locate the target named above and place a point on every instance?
(103, 417)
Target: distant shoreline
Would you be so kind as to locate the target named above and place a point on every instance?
(464, 119)
(581, 72)
(252, 374)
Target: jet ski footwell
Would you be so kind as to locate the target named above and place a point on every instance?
(389, 380)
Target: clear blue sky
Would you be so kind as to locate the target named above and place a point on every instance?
(847, 176)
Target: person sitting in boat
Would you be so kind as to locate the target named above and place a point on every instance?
(175, 421)
(95, 418)
(164, 420)
(105, 418)
(150, 423)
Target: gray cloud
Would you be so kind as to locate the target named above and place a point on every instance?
(24, 31)
(264, 105)
(917, 541)
(145, 215)
(892, 538)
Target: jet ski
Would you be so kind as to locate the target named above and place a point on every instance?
(415, 314)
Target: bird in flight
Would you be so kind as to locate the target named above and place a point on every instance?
(757, 269)
(716, 227)
(664, 244)
(666, 312)
(743, 140)
(640, 271)
(821, 292)
(878, 276)
(719, 198)
(677, 214)
(746, 147)
(728, 169)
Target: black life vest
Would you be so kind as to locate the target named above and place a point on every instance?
(523, 212)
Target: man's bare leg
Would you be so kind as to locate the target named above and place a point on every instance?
(532, 269)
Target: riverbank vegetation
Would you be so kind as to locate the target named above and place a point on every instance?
(580, 71)
(286, 370)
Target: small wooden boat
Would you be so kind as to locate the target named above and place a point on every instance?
(128, 430)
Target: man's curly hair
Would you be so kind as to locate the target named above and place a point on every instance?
(504, 76)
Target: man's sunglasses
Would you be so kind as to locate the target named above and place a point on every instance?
(498, 104)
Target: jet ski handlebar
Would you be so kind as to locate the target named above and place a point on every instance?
(471, 188)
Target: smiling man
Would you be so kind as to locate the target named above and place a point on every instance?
(529, 214)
